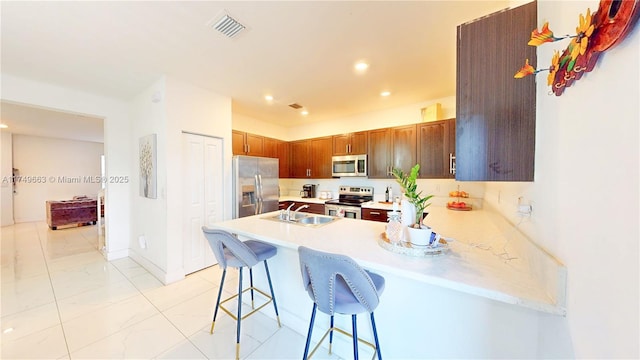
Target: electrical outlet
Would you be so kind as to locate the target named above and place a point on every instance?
(142, 241)
(524, 210)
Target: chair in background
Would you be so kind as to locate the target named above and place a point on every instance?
(230, 251)
(337, 284)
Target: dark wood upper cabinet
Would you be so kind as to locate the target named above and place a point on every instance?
(284, 157)
(270, 147)
(238, 146)
(404, 147)
(321, 158)
(350, 144)
(389, 148)
(379, 153)
(300, 153)
(436, 149)
(495, 113)
(243, 143)
(311, 158)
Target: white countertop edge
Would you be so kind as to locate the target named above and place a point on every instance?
(547, 307)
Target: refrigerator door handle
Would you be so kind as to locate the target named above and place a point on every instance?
(260, 194)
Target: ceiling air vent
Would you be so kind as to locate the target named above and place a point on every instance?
(296, 106)
(227, 26)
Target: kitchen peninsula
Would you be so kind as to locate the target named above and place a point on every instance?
(483, 298)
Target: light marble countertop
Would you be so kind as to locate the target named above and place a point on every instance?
(488, 256)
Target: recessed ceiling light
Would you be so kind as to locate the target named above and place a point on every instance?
(3, 126)
(304, 112)
(268, 97)
(385, 93)
(361, 66)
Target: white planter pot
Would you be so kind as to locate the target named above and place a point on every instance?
(408, 212)
(419, 237)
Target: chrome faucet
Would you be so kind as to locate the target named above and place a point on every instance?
(298, 209)
(288, 213)
(301, 207)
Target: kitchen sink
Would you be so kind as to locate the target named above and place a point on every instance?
(316, 220)
(304, 219)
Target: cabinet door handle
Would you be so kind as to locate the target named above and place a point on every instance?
(346, 148)
(248, 148)
(452, 164)
(374, 213)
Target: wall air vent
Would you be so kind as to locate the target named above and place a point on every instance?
(296, 106)
(227, 26)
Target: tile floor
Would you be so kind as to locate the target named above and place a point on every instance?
(62, 300)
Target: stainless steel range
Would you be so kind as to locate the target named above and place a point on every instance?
(349, 202)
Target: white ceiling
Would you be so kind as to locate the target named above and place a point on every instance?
(33, 121)
(298, 51)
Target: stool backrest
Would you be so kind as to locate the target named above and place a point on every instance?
(220, 239)
(320, 269)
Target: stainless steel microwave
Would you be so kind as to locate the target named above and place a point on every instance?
(349, 165)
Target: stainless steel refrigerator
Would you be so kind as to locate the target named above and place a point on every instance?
(255, 185)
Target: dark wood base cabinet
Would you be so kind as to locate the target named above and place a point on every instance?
(313, 207)
(374, 214)
(495, 113)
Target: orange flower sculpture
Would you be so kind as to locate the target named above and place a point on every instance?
(594, 34)
(543, 36)
(581, 40)
(525, 70)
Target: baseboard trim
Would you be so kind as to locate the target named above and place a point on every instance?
(158, 273)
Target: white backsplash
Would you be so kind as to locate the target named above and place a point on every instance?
(440, 188)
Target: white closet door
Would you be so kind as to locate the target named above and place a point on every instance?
(203, 197)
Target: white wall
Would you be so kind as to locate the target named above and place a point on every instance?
(117, 152)
(67, 168)
(182, 107)
(149, 216)
(585, 195)
(6, 185)
(255, 126)
(404, 115)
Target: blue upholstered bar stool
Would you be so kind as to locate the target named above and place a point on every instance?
(230, 251)
(337, 284)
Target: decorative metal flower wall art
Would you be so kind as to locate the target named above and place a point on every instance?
(596, 33)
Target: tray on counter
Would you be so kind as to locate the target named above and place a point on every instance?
(466, 208)
(406, 248)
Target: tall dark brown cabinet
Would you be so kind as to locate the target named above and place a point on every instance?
(495, 113)
(437, 148)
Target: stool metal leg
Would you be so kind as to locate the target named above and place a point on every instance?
(239, 314)
(313, 318)
(354, 325)
(251, 286)
(215, 313)
(331, 335)
(273, 296)
(375, 336)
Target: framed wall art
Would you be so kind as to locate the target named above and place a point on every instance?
(148, 166)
